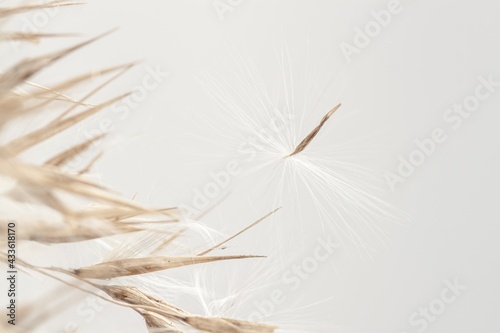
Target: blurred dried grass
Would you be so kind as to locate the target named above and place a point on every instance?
(72, 197)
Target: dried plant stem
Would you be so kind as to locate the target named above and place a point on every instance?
(239, 233)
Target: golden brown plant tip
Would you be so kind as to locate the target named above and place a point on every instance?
(62, 158)
(30, 37)
(136, 266)
(307, 140)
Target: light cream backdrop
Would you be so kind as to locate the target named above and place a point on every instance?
(399, 68)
